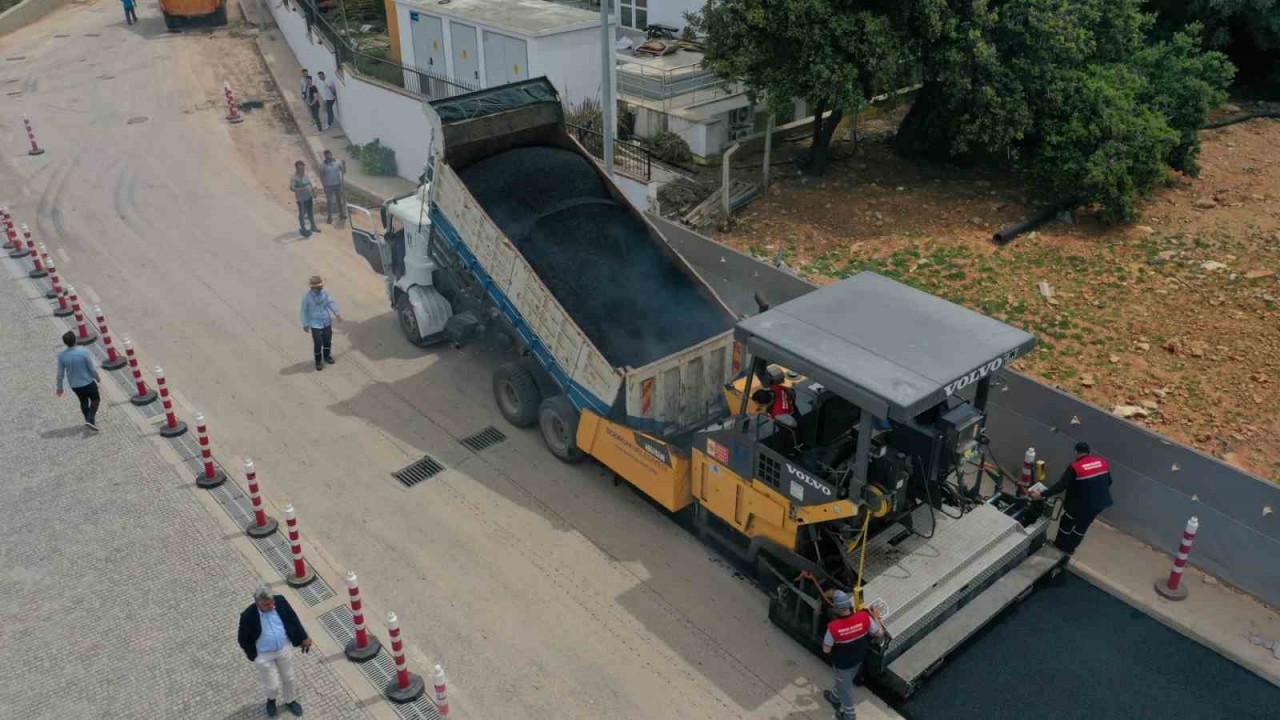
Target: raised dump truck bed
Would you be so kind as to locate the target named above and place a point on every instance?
(615, 317)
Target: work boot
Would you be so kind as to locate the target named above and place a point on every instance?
(271, 708)
(831, 698)
(319, 366)
(295, 707)
(329, 359)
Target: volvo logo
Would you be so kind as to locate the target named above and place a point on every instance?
(808, 480)
(974, 376)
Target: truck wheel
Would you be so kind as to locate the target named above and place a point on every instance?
(558, 419)
(516, 393)
(409, 322)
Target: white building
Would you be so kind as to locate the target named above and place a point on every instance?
(481, 43)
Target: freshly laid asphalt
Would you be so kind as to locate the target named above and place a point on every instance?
(1074, 652)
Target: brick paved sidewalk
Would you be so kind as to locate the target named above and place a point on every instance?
(119, 591)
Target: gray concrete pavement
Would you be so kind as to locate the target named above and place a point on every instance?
(119, 591)
(543, 589)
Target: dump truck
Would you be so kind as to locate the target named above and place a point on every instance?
(180, 13)
(833, 442)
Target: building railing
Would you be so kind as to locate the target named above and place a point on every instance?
(650, 83)
(428, 84)
(630, 158)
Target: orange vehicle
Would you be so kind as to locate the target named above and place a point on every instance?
(183, 12)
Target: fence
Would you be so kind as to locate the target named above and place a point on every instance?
(630, 158)
(1158, 482)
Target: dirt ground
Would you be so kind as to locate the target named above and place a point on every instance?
(1173, 322)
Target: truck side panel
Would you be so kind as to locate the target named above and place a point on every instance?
(521, 297)
(683, 389)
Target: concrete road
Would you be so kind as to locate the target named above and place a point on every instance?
(545, 590)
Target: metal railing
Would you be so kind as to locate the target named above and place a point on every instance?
(630, 158)
(348, 57)
(637, 79)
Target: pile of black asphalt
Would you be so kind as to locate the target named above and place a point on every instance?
(1076, 653)
(595, 255)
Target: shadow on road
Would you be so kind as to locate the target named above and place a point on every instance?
(66, 432)
(379, 338)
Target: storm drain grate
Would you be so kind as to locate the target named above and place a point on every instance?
(276, 550)
(381, 669)
(486, 438)
(137, 120)
(424, 469)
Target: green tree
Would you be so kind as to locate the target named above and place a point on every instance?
(833, 54)
(1072, 91)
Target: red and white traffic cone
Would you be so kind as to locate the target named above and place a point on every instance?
(7, 228)
(20, 249)
(263, 524)
(173, 427)
(406, 686)
(363, 647)
(302, 574)
(84, 334)
(1172, 588)
(145, 395)
(233, 112)
(212, 476)
(64, 304)
(55, 282)
(1028, 471)
(114, 360)
(442, 692)
(37, 265)
(31, 136)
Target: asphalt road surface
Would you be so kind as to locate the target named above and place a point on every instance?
(1076, 653)
(543, 589)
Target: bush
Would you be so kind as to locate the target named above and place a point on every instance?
(375, 158)
(670, 147)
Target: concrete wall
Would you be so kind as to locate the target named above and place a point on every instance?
(29, 11)
(571, 61)
(637, 191)
(1158, 483)
(367, 109)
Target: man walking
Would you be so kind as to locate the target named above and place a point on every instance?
(846, 641)
(268, 628)
(329, 92)
(318, 309)
(130, 15)
(304, 194)
(1087, 482)
(306, 83)
(313, 105)
(331, 174)
(75, 365)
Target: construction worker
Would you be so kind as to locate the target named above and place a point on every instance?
(846, 641)
(1087, 482)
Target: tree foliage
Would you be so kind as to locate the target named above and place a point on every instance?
(1073, 91)
(833, 54)
(1248, 31)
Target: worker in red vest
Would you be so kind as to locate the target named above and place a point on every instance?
(846, 641)
(1087, 482)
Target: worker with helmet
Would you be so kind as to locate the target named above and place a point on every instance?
(848, 636)
(1087, 483)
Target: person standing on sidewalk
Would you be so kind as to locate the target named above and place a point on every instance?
(313, 104)
(305, 195)
(130, 15)
(1087, 483)
(846, 641)
(318, 310)
(329, 92)
(332, 173)
(268, 628)
(75, 365)
(306, 83)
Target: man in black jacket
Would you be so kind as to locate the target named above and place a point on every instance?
(1087, 482)
(267, 628)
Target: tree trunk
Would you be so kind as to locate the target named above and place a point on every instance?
(820, 148)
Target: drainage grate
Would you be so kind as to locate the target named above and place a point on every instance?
(137, 120)
(14, 93)
(381, 669)
(424, 469)
(486, 438)
(106, 77)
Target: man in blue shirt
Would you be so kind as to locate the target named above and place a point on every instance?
(75, 365)
(318, 307)
(268, 628)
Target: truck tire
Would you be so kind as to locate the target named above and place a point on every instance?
(558, 420)
(219, 17)
(408, 321)
(516, 392)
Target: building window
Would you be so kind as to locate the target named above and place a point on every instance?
(635, 13)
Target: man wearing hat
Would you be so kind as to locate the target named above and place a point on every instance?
(1087, 482)
(318, 307)
(846, 641)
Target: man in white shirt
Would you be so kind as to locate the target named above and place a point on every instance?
(329, 93)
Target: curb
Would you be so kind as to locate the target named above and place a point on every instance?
(1155, 611)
